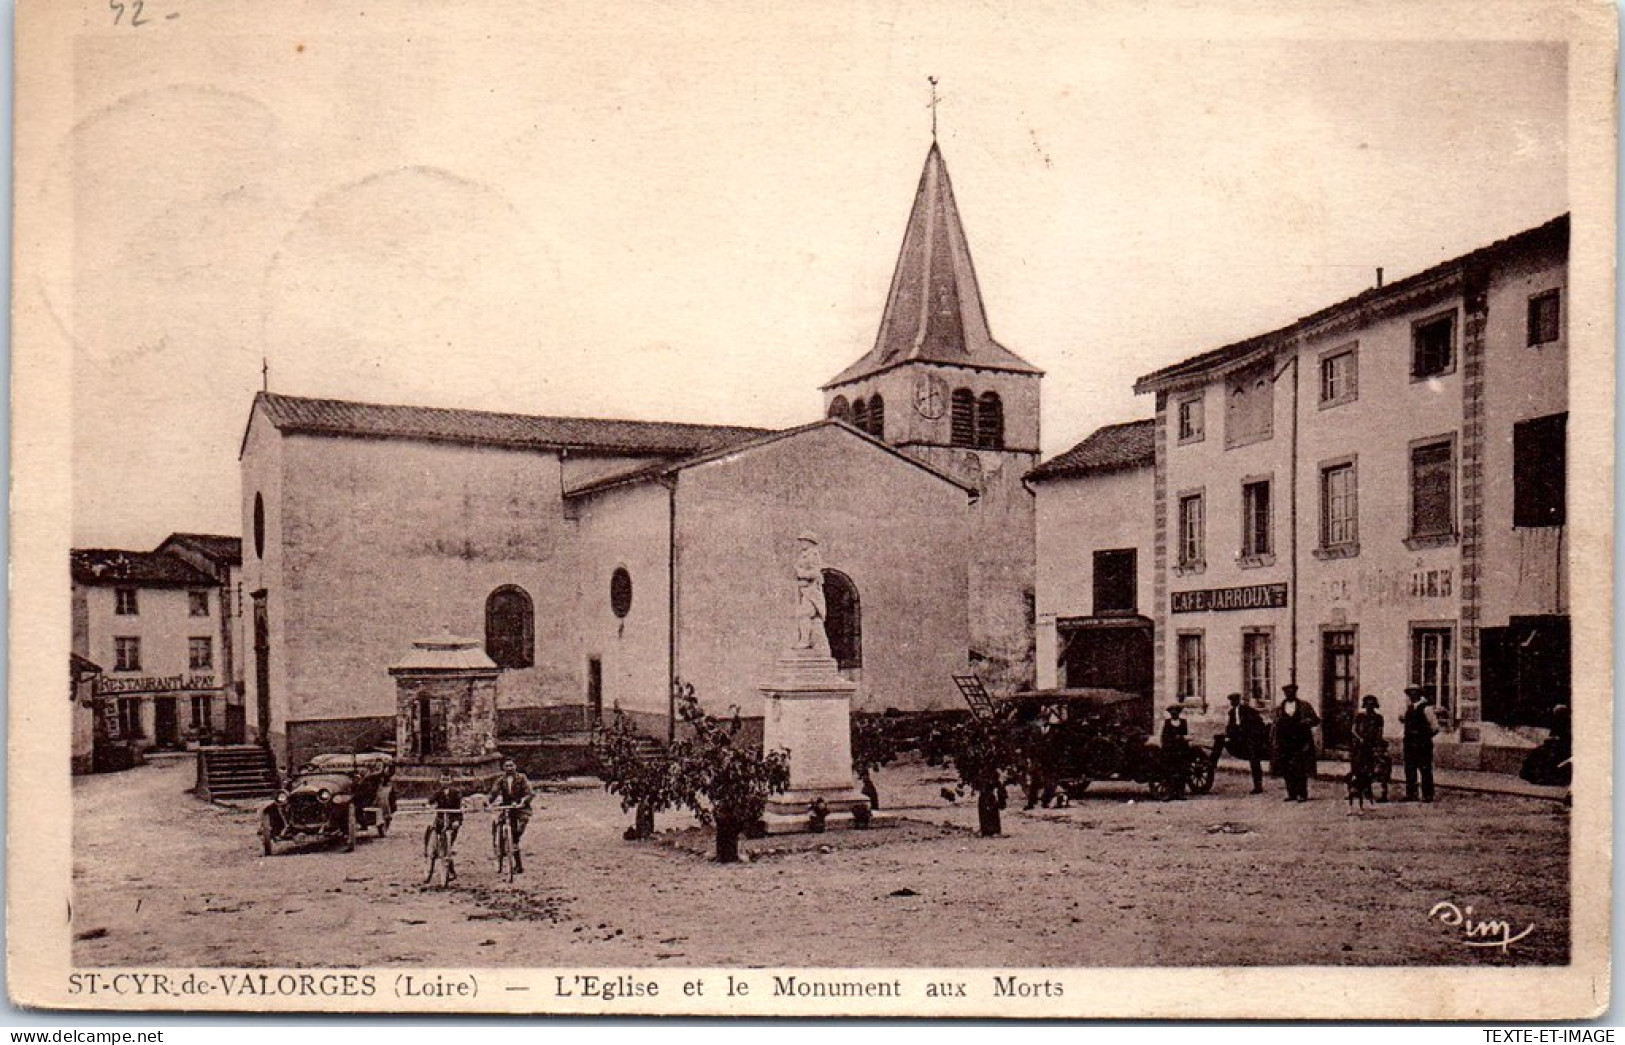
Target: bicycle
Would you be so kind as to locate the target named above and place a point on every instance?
(505, 848)
(438, 851)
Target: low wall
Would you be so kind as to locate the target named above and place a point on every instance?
(541, 721)
(541, 757)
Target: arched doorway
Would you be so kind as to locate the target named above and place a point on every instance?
(843, 621)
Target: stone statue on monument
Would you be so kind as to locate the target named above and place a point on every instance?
(810, 605)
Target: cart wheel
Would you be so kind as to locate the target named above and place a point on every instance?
(349, 828)
(266, 846)
(1200, 781)
(1159, 788)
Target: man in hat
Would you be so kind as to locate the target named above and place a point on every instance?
(1295, 723)
(1175, 751)
(1421, 726)
(1245, 736)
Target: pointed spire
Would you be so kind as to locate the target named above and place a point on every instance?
(934, 309)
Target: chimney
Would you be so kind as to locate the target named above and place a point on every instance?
(1379, 277)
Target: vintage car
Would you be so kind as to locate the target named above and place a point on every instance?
(1073, 737)
(332, 796)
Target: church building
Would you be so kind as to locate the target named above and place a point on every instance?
(937, 386)
(598, 560)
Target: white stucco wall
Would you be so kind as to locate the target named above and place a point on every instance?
(627, 527)
(1078, 516)
(896, 530)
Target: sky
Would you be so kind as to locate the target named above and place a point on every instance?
(691, 212)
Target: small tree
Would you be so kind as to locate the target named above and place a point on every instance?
(633, 767)
(725, 781)
(872, 747)
(982, 751)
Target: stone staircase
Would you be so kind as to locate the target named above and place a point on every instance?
(235, 773)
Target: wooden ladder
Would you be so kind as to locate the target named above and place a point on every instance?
(976, 695)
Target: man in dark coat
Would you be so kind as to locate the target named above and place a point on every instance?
(1245, 736)
(1421, 726)
(1295, 723)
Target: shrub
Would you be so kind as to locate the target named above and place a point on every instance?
(873, 745)
(637, 769)
(982, 751)
(724, 781)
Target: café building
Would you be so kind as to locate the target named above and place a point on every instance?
(1371, 497)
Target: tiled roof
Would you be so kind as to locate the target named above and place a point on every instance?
(934, 309)
(522, 431)
(1552, 233)
(657, 469)
(1212, 360)
(148, 569)
(223, 550)
(1110, 449)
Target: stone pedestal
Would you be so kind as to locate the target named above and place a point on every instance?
(808, 710)
(445, 716)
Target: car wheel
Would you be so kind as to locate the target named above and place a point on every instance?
(349, 828)
(266, 845)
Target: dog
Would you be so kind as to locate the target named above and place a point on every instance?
(1365, 774)
(1358, 782)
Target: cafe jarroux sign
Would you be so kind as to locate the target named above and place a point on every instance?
(1216, 600)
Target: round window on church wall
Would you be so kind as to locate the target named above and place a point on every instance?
(259, 526)
(620, 592)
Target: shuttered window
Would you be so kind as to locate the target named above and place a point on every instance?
(962, 422)
(990, 422)
(1433, 510)
(877, 417)
(1249, 406)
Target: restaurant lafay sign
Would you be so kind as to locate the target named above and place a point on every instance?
(109, 684)
(1217, 600)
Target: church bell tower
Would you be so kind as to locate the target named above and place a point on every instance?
(938, 387)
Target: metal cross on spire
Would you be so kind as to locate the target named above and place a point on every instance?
(933, 106)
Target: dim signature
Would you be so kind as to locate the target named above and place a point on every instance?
(1490, 932)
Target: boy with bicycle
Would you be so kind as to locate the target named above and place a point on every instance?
(447, 805)
(512, 793)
